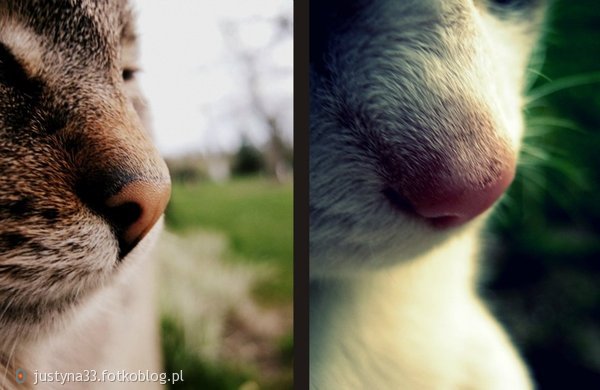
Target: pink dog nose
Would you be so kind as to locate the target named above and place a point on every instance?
(449, 192)
(448, 204)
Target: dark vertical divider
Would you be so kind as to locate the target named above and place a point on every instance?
(301, 128)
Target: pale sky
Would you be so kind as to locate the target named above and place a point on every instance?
(194, 79)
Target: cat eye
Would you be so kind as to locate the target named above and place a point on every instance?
(10, 68)
(129, 73)
(13, 74)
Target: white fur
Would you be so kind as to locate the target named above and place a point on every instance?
(393, 300)
(115, 330)
(419, 325)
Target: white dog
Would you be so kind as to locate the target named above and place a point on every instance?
(415, 129)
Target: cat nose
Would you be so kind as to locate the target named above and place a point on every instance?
(135, 209)
(118, 173)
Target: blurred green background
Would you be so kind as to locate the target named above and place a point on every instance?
(543, 278)
(227, 276)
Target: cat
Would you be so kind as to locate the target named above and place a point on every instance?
(82, 191)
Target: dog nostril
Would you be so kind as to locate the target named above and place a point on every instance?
(135, 209)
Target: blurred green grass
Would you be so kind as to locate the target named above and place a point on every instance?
(255, 213)
(197, 373)
(256, 216)
(548, 226)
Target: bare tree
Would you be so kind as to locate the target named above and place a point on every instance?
(258, 76)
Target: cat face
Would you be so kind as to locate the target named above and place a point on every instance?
(80, 183)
